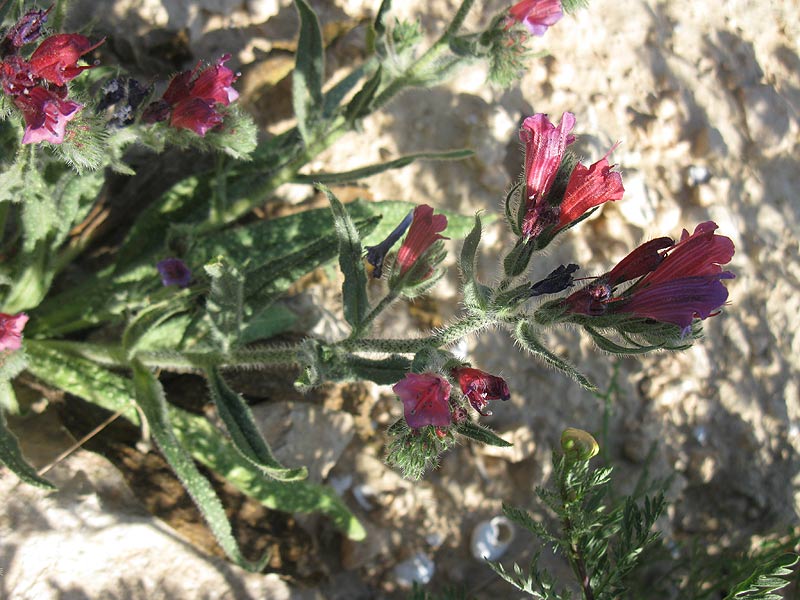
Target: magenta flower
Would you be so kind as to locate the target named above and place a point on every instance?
(544, 148)
(56, 58)
(11, 327)
(589, 187)
(174, 271)
(536, 15)
(676, 282)
(424, 231)
(46, 115)
(479, 387)
(425, 399)
(191, 99)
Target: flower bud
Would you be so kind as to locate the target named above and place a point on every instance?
(579, 444)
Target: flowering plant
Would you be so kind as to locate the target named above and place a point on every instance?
(195, 282)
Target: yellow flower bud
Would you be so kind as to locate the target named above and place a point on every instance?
(579, 444)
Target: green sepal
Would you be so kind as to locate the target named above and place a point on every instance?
(369, 170)
(309, 71)
(481, 434)
(516, 262)
(527, 338)
(246, 437)
(225, 302)
(150, 398)
(11, 456)
(354, 286)
(415, 451)
(476, 296)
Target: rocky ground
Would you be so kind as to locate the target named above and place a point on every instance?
(705, 101)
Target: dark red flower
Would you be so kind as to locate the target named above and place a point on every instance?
(196, 114)
(56, 58)
(425, 399)
(480, 387)
(11, 330)
(26, 30)
(424, 231)
(46, 115)
(215, 83)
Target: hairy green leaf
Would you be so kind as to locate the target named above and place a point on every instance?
(526, 336)
(224, 305)
(484, 435)
(354, 286)
(11, 456)
(476, 296)
(309, 71)
(246, 437)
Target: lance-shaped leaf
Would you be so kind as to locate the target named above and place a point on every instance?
(527, 338)
(484, 435)
(516, 262)
(206, 444)
(476, 296)
(369, 170)
(246, 437)
(361, 103)
(11, 456)
(224, 305)
(308, 72)
(611, 346)
(354, 286)
(151, 400)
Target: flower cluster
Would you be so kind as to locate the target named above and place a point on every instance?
(192, 98)
(586, 188)
(427, 401)
(38, 85)
(676, 282)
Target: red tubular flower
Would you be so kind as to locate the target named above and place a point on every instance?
(195, 114)
(425, 399)
(214, 83)
(424, 231)
(11, 330)
(544, 148)
(678, 282)
(537, 15)
(56, 58)
(46, 115)
(479, 387)
(589, 187)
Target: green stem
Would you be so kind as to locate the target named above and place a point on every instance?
(390, 346)
(459, 329)
(458, 20)
(219, 199)
(373, 314)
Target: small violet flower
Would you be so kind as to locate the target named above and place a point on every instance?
(544, 148)
(377, 254)
(536, 15)
(425, 399)
(676, 282)
(424, 231)
(479, 387)
(11, 327)
(191, 99)
(174, 271)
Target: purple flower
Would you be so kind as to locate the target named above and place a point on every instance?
(536, 15)
(676, 282)
(11, 330)
(558, 280)
(425, 399)
(174, 271)
(544, 148)
(46, 115)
